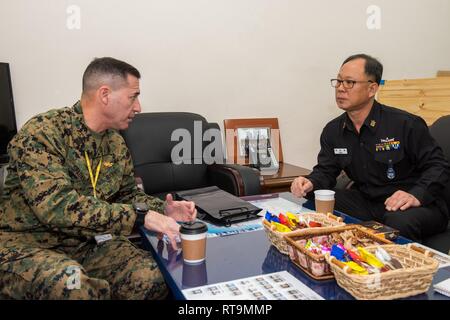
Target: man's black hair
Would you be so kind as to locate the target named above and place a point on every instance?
(106, 66)
(373, 67)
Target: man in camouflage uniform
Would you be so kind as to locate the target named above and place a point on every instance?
(70, 179)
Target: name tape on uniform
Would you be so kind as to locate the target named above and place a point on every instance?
(340, 150)
(103, 238)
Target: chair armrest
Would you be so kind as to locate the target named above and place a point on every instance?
(235, 179)
(3, 173)
(343, 182)
(139, 183)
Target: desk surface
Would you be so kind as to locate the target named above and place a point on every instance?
(245, 255)
(282, 180)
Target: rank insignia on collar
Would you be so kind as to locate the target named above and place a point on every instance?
(107, 164)
(373, 123)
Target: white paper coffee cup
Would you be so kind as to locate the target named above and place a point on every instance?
(324, 195)
(324, 200)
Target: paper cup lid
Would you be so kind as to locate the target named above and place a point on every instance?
(324, 194)
(196, 227)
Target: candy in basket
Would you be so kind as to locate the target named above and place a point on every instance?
(281, 225)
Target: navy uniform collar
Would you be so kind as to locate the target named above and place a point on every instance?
(372, 121)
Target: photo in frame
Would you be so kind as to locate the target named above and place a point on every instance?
(252, 138)
(253, 142)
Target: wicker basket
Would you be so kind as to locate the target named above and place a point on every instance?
(278, 238)
(414, 278)
(316, 265)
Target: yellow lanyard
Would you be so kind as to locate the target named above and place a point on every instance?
(91, 175)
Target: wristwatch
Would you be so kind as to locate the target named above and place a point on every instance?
(141, 210)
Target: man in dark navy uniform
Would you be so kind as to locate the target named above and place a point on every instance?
(399, 171)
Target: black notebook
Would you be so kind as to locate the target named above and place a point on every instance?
(219, 206)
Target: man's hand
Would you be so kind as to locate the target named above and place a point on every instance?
(301, 186)
(167, 224)
(180, 210)
(160, 223)
(172, 254)
(401, 200)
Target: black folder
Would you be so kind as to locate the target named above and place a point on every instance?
(219, 206)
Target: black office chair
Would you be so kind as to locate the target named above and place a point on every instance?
(150, 138)
(440, 131)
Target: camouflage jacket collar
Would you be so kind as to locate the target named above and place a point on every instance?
(84, 139)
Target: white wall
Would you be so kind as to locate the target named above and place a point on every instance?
(221, 58)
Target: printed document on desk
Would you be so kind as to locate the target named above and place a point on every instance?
(442, 258)
(235, 228)
(273, 286)
(443, 287)
(277, 205)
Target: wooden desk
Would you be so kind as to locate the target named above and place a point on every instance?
(282, 180)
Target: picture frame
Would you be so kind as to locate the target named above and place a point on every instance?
(259, 133)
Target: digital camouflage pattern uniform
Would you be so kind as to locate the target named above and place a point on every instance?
(49, 216)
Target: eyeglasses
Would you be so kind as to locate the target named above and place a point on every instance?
(348, 84)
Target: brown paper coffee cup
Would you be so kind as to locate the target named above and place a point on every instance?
(193, 241)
